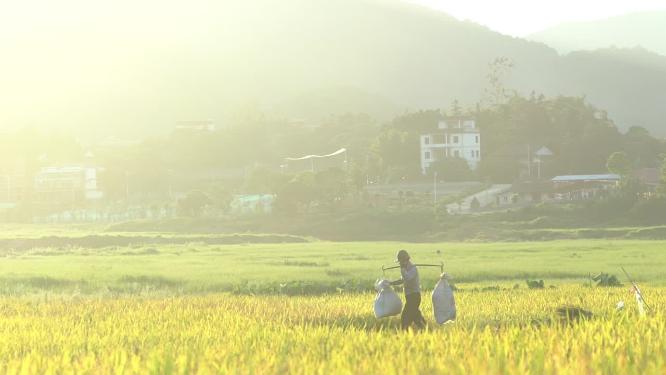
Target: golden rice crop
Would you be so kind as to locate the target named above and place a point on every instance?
(503, 332)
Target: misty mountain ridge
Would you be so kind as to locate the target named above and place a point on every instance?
(304, 59)
(641, 29)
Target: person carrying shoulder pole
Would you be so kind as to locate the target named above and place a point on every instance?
(411, 314)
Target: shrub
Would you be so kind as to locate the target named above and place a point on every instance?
(650, 211)
(604, 279)
(535, 284)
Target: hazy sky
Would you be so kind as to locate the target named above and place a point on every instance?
(522, 17)
(97, 61)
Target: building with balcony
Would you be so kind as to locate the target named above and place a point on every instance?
(454, 137)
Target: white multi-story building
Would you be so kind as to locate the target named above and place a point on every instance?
(454, 137)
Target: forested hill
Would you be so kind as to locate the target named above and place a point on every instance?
(298, 58)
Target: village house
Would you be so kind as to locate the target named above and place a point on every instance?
(650, 178)
(252, 204)
(582, 187)
(456, 137)
(66, 185)
(559, 189)
(525, 193)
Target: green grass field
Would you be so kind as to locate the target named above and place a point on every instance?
(190, 263)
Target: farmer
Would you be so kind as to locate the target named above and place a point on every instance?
(410, 281)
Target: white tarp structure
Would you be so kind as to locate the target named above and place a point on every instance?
(307, 157)
(387, 302)
(443, 302)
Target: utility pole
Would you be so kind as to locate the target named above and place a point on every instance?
(367, 168)
(126, 186)
(169, 177)
(434, 190)
(8, 180)
(529, 161)
(346, 162)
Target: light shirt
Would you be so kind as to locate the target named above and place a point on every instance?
(410, 278)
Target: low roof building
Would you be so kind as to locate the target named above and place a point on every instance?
(587, 178)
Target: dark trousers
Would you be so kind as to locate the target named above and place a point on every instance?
(411, 313)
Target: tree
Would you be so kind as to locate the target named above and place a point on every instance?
(497, 94)
(455, 109)
(580, 139)
(193, 203)
(299, 192)
(357, 177)
(475, 205)
(631, 188)
(500, 169)
(220, 196)
(451, 169)
(641, 147)
(619, 164)
(332, 185)
(397, 149)
(260, 180)
(661, 189)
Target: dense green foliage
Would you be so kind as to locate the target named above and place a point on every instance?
(577, 133)
(580, 136)
(618, 163)
(580, 139)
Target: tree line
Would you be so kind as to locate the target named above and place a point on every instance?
(248, 154)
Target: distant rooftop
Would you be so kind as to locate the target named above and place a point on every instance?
(196, 125)
(586, 177)
(65, 169)
(543, 151)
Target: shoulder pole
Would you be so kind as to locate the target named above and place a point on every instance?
(635, 287)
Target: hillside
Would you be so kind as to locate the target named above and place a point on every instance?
(303, 59)
(644, 29)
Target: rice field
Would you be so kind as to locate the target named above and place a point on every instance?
(505, 331)
(84, 302)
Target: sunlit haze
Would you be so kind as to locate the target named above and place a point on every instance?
(522, 17)
(333, 186)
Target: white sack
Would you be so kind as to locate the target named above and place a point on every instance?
(639, 301)
(443, 303)
(387, 302)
